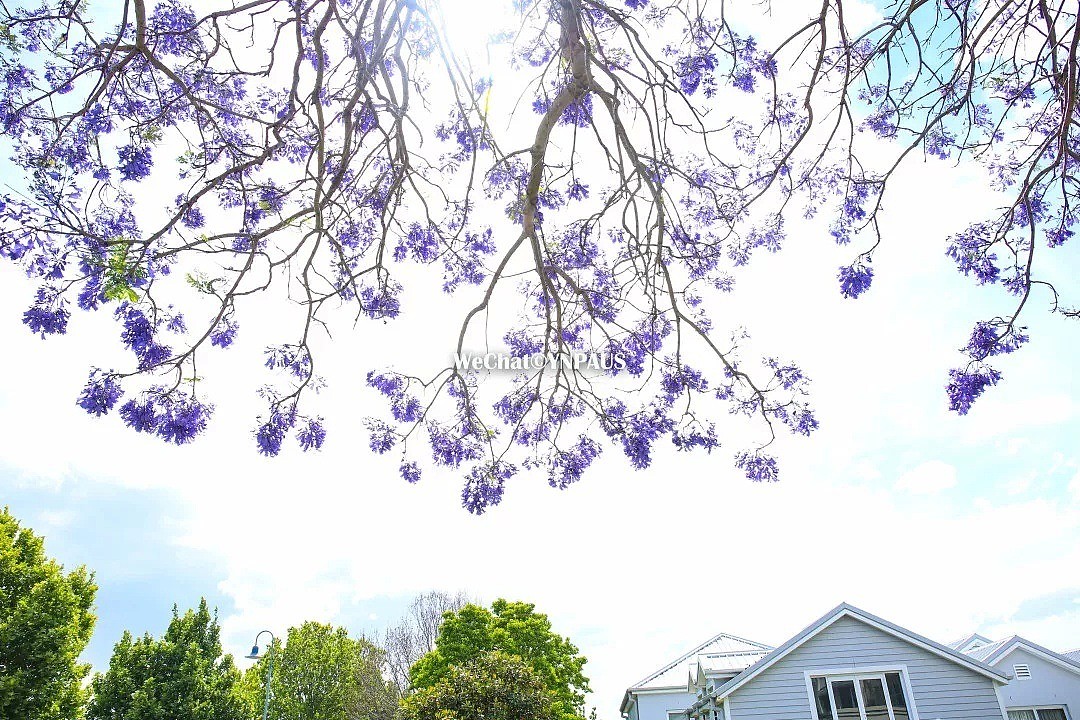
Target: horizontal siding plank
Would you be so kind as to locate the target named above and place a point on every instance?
(941, 688)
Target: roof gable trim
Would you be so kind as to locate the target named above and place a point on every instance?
(845, 610)
(1019, 643)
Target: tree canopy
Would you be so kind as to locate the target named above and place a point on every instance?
(320, 673)
(472, 633)
(493, 686)
(409, 639)
(586, 186)
(184, 674)
(46, 619)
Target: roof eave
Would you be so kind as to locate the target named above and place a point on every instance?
(842, 610)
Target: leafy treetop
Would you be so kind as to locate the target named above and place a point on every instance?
(46, 619)
(513, 628)
(321, 673)
(181, 675)
(494, 686)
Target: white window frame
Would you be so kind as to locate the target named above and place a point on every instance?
(1036, 708)
(857, 674)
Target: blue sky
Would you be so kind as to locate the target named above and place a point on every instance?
(941, 523)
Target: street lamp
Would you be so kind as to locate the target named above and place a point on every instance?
(270, 673)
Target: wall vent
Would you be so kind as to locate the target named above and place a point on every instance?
(1022, 672)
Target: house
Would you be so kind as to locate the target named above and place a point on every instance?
(1044, 685)
(666, 693)
(847, 665)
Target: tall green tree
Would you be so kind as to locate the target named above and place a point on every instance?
(320, 673)
(182, 676)
(492, 686)
(514, 628)
(46, 619)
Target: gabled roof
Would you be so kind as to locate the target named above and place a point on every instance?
(983, 652)
(996, 652)
(709, 654)
(964, 644)
(846, 610)
(713, 653)
(1072, 654)
(723, 667)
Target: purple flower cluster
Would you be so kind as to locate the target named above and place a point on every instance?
(639, 431)
(382, 437)
(970, 250)
(380, 303)
(139, 335)
(470, 139)
(101, 393)
(965, 386)
(568, 466)
(484, 486)
(224, 333)
(694, 69)
(578, 113)
(410, 472)
(172, 29)
(48, 315)
(859, 195)
(294, 359)
(135, 162)
(578, 191)
(270, 435)
(454, 444)
(681, 380)
(758, 466)
(751, 63)
(311, 435)
(855, 279)
(175, 416)
(421, 242)
(989, 339)
(693, 436)
(466, 266)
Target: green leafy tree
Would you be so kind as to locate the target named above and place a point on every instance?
(513, 628)
(182, 676)
(492, 686)
(320, 673)
(45, 622)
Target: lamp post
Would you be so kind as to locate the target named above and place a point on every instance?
(270, 672)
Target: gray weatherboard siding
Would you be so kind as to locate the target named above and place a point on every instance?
(942, 689)
(1049, 684)
(655, 706)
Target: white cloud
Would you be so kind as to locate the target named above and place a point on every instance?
(929, 478)
(1019, 485)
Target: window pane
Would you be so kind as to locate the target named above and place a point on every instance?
(896, 694)
(847, 703)
(1053, 714)
(1021, 715)
(821, 698)
(873, 696)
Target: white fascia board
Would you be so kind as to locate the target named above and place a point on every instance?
(1038, 651)
(845, 610)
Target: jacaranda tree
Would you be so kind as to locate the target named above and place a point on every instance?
(181, 162)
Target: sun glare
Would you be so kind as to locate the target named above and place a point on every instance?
(470, 25)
